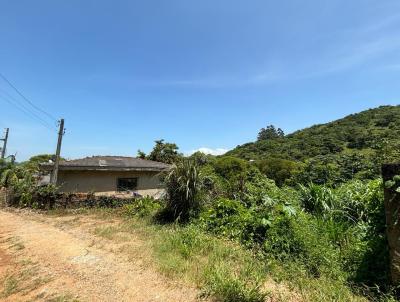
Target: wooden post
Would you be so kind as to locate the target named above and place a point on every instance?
(391, 180)
(54, 175)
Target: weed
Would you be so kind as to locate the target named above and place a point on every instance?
(107, 232)
(10, 286)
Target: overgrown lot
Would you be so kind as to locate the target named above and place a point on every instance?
(230, 230)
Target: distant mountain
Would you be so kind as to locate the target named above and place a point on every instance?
(369, 137)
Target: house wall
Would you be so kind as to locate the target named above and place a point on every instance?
(105, 181)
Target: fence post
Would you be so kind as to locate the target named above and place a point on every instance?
(3, 197)
(391, 180)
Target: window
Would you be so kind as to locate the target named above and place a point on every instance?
(127, 184)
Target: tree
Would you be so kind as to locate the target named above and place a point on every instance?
(234, 171)
(229, 167)
(33, 163)
(164, 152)
(319, 170)
(202, 158)
(141, 154)
(5, 165)
(270, 132)
(278, 169)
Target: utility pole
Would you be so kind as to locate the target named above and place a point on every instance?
(3, 150)
(61, 132)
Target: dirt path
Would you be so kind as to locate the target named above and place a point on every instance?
(59, 259)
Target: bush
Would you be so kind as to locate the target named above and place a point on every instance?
(143, 207)
(234, 172)
(318, 200)
(184, 183)
(227, 218)
(278, 169)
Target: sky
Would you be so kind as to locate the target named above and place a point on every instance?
(202, 74)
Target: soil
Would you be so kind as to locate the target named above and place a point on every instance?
(46, 258)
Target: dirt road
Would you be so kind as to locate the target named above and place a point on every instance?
(59, 259)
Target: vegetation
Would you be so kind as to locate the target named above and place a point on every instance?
(332, 153)
(307, 212)
(32, 164)
(269, 133)
(162, 152)
(184, 183)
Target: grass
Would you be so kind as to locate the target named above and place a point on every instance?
(18, 246)
(10, 286)
(108, 232)
(15, 243)
(63, 298)
(319, 289)
(24, 280)
(221, 269)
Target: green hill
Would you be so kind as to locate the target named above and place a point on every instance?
(354, 146)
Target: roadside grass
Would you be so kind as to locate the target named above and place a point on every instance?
(318, 289)
(222, 269)
(15, 243)
(108, 232)
(18, 246)
(10, 286)
(62, 298)
(23, 280)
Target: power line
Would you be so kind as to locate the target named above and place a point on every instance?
(28, 113)
(26, 99)
(9, 99)
(18, 102)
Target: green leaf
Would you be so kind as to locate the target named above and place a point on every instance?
(389, 184)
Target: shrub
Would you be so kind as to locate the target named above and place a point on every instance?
(362, 201)
(234, 171)
(227, 218)
(143, 207)
(278, 169)
(318, 200)
(184, 183)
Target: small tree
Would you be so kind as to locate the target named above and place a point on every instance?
(234, 171)
(278, 169)
(141, 154)
(164, 152)
(184, 184)
(33, 163)
(270, 132)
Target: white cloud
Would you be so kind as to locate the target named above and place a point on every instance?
(217, 151)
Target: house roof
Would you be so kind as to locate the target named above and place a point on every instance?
(108, 163)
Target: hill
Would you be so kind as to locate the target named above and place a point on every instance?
(355, 146)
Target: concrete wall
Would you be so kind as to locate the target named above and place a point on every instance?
(104, 181)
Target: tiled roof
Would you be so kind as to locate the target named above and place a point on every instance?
(109, 163)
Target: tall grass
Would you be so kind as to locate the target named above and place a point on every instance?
(221, 268)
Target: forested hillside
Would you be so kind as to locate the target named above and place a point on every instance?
(352, 147)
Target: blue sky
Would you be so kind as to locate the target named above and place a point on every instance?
(202, 74)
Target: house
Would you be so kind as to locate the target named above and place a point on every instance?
(108, 175)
